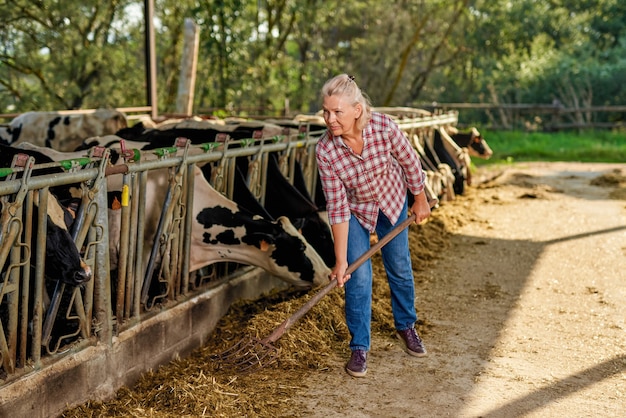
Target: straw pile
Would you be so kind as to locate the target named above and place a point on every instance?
(197, 386)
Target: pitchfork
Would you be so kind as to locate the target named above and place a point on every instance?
(251, 354)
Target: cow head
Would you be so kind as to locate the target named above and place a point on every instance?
(62, 261)
(473, 141)
(294, 255)
(478, 146)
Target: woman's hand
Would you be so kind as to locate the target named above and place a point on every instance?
(340, 237)
(339, 273)
(421, 207)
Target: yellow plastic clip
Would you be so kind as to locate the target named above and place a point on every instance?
(125, 195)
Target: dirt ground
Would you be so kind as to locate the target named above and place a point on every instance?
(523, 314)
(522, 303)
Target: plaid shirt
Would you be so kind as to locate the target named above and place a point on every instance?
(377, 179)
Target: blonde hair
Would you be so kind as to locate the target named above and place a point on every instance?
(344, 85)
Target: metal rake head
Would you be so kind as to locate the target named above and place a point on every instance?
(247, 356)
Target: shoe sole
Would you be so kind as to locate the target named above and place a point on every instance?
(409, 352)
(356, 374)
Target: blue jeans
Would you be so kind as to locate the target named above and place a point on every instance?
(358, 290)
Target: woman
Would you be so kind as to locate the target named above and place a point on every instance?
(366, 166)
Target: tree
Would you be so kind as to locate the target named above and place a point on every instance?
(395, 47)
(59, 54)
(537, 51)
(256, 54)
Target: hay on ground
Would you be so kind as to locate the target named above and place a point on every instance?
(197, 385)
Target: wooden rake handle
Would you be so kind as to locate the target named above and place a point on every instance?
(287, 323)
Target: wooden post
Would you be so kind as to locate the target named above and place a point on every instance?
(151, 73)
(188, 64)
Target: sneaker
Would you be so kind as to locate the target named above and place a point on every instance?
(357, 366)
(412, 342)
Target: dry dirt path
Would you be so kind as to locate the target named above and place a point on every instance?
(523, 315)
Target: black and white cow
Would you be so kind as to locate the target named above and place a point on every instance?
(62, 131)
(439, 177)
(284, 199)
(473, 141)
(62, 263)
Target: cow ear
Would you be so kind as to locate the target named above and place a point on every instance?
(284, 221)
(286, 225)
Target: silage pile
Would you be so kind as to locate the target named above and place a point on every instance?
(199, 386)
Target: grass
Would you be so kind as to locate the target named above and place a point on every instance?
(592, 146)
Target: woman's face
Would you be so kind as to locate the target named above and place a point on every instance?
(340, 116)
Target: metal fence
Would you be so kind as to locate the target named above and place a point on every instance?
(42, 320)
(112, 300)
(551, 117)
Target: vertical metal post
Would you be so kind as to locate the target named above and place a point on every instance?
(139, 261)
(40, 260)
(89, 287)
(26, 213)
(102, 277)
(124, 248)
(188, 223)
(125, 284)
(132, 247)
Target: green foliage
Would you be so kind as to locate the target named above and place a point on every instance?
(540, 51)
(255, 56)
(60, 55)
(592, 146)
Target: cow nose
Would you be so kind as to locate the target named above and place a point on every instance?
(82, 276)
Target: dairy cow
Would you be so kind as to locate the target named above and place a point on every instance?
(436, 152)
(473, 141)
(460, 155)
(62, 263)
(439, 176)
(61, 131)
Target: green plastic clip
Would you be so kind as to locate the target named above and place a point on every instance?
(6, 172)
(162, 152)
(69, 164)
(209, 146)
